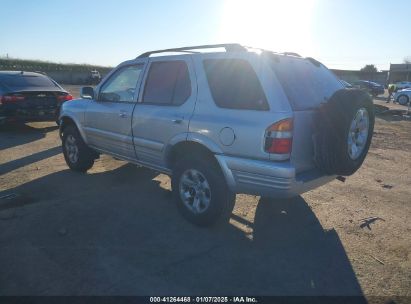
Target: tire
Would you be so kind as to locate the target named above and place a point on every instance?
(343, 132)
(79, 157)
(216, 202)
(403, 100)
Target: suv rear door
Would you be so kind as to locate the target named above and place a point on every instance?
(165, 106)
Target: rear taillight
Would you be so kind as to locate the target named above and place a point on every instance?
(279, 137)
(65, 97)
(11, 98)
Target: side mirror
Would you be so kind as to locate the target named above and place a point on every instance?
(87, 93)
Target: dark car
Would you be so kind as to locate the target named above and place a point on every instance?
(346, 84)
(371, 87)
(29, 96)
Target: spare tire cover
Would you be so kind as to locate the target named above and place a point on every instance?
(343, 129)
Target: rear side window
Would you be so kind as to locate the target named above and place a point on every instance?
(21, 81)
(168, 83)
(234, 84)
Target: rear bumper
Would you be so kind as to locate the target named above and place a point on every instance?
(378, 91)
(20, 114)
(272, 179)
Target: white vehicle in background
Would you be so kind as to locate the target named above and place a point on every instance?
(95, 77)
(403, 97)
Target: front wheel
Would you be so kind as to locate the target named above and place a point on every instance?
(78, 156)
(403, 100)
(201, 192)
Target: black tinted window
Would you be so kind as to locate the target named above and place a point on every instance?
(121, 85)
(22, 81)
(306, 84)
(234, 84)
(168, 82)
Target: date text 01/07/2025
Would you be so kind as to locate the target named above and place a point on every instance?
(203, 300)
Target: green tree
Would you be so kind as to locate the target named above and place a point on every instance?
(369, 68)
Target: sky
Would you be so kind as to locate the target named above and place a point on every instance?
(343, 34)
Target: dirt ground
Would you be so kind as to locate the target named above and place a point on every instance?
(116, 231)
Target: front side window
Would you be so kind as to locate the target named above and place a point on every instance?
(122, 85)
(168, 83)
(234, 84)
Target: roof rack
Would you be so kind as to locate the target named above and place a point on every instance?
(290, 54)
(229, 47)
(273, 52)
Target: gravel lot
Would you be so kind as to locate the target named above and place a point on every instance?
(116, 231)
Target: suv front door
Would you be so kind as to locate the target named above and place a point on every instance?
(166, 104)
(108, 117)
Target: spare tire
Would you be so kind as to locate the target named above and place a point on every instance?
(343, 129)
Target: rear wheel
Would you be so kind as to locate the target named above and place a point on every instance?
(78, 156)
(200, 191)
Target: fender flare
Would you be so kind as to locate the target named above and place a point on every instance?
(188, 137)
(76, 123)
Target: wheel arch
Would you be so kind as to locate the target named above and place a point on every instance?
(67, 120)
(190, 146)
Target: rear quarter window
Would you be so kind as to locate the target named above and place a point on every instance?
(306, 85)
(234, 84)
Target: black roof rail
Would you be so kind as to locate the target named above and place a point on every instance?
(314, 61)
(229, 47)
(291, 54)
(275, 53)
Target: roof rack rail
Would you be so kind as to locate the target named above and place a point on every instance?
(291, 54)
(229, 47)
(273, 52)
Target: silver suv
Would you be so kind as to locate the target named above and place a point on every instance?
(233, 120)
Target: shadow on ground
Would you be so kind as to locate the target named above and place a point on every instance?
(15, 134)
(118, 232)
(388, 114)
(27, 160)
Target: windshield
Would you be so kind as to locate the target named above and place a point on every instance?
(22, 81)
(306, 84)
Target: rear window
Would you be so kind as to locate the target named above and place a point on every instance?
(22, 81)
(168, 83)
(306, 84)
(234, 84)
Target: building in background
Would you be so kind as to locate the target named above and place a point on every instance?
(400, 72)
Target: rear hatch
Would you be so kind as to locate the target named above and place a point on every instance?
(307, 84)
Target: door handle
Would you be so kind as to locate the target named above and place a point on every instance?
(123, 114)
(178, 120)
